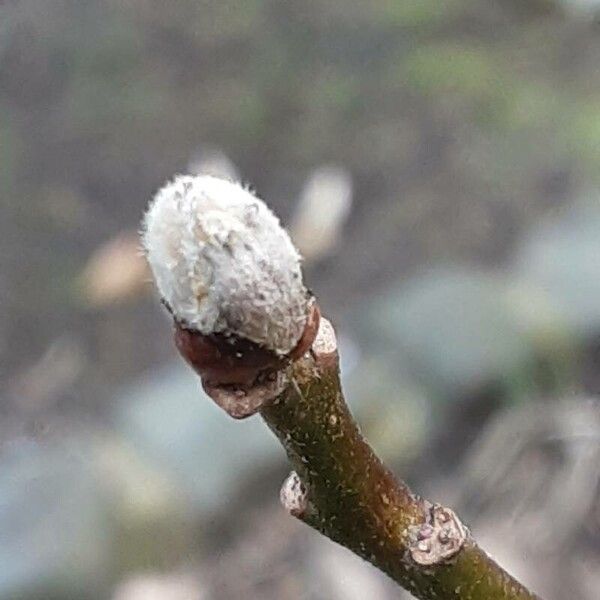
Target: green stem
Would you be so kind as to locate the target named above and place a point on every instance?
(351, 497)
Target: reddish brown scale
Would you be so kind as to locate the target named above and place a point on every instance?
(310, 332)
(231, 361)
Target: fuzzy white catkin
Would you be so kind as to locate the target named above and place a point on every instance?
(224, 264)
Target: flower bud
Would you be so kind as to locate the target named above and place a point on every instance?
(224, 265)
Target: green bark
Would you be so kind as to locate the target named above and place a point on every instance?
(352, 498)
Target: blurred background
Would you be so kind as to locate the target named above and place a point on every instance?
(437, 162)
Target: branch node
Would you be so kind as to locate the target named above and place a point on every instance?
(240, 376)
(438, 539)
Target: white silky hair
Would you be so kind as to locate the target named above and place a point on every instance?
(223, 263)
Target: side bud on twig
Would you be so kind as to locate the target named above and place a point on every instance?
(231, 278)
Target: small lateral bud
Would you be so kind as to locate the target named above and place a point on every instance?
(293, 495)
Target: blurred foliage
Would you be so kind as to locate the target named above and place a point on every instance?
(173, 424)
(467, 269)
(53, 526)
(562, 258)
(462, 332)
